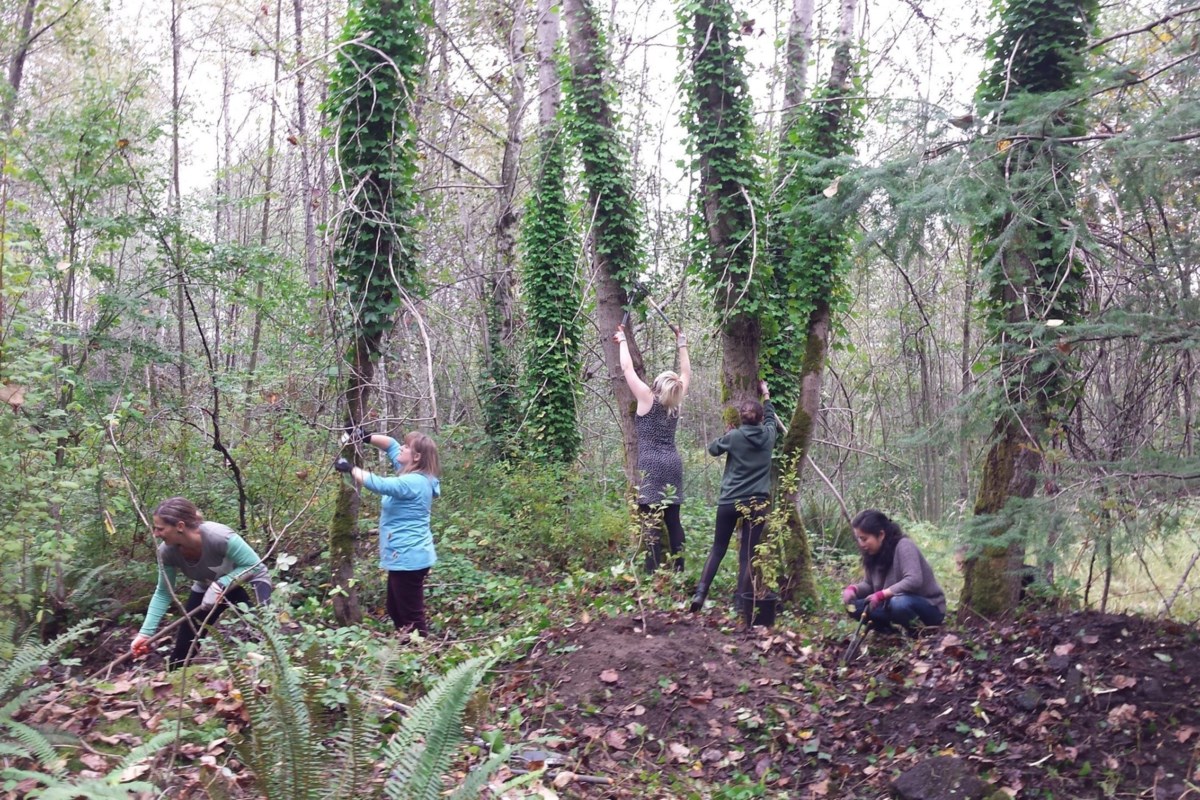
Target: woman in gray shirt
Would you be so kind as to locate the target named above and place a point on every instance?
(898, 586)
(214, 557)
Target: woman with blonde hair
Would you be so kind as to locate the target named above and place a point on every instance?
(659, 465)
(406, 549)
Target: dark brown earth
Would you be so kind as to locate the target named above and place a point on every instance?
(1077, 706)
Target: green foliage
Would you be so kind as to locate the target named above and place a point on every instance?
(525, 517)
(1028, 235)
(296, 756)
(718, 117)
(591, 122)
(552, 300)
(371, 95)
(809, 238)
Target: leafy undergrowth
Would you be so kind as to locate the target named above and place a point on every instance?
(1076, 706)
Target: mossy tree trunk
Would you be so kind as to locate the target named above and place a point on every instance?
(1035, 282)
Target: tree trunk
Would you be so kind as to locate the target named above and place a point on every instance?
(605, 206)
(799, 583)
(308, 194)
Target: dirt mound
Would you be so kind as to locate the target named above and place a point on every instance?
(1083, 705)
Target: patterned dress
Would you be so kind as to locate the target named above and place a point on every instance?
(660, 468)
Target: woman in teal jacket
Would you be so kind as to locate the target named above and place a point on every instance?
(745, 491)
(405, 539)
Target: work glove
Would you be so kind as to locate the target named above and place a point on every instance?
(877, 599)
(849, 595)
(619, 336)
(342, 465)
(140, 645)
(212, 595)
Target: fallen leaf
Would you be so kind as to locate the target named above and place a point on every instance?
(562, 779)
(679, 752)
(1184, 733)
(819, 789)
(616, 739)
(1090, 638)
(609, 676)
(1122, 714)
(1124, 682)
(1063, 649)
(593, 731)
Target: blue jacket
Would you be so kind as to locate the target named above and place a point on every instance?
(405, 540)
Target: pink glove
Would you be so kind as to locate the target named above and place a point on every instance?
(877, 599)
(849, 595)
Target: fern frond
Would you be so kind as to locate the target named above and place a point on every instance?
(422, 750)
(32, 654)
(474, 783)
(34, 743)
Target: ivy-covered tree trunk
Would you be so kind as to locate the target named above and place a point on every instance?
(1034, 280)
(500, 404)
(722, 132)
(816, 257)
(371, 93)
(613, 208)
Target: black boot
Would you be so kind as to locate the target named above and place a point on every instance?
(699, 598)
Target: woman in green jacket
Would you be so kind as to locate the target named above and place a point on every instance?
(745, 490)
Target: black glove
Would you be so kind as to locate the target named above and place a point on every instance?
(360, 434)
(342, 465)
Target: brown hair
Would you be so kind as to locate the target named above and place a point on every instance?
(423, 446)
(174, 510)
(751, 412)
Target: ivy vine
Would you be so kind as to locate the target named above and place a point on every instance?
(371, 91)
(552, 303)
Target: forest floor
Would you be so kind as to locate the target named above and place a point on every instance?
(1066, 706)
(675, 705)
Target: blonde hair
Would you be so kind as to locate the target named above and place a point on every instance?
(668, 388)
(424, 447)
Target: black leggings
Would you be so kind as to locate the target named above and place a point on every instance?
(191, 631)
(751, 515)
(406, 599)
(654, 519)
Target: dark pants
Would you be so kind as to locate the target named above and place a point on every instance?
(406, 599)
(903, 610)
(751, 516)
(654, 519)
(191, 631)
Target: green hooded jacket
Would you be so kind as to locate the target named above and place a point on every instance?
(747, 450)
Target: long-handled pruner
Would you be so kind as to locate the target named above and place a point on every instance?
(859, 635)
(638, 292)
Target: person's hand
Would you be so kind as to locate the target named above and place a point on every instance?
(877, 599)
(619, 336)
(763, 391)
(343, 466)
(356, 434)
(212, 595)
(680, 339)
(140, 646)
(849, 595)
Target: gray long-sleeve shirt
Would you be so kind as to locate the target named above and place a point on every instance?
(909, 574)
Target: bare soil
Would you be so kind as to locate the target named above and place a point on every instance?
(1065, 706)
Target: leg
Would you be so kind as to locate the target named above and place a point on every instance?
(651, 519)
(727, 517)
(674, 534)
(187, 632)
(904, 609)
(406, 599)
(752, 530)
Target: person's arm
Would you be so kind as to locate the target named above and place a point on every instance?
(159, 602)
(770, 419)
(243, 557)
(641, 392)
(402, 487)
(719, 447)
(685, 361)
